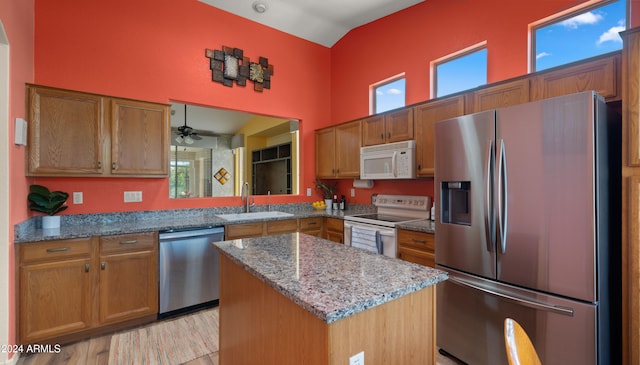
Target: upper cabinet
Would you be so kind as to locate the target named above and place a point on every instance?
(426, 115)
(338, 151)
(601, 75)
(79, 134)
(394, 126)
(497, 96)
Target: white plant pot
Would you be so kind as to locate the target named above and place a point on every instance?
(50, 221)
(328, 203)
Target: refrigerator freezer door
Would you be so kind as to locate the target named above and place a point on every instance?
(471, 313)
(549, 200)
(464, 150)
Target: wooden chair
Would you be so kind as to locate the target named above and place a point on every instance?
(520, 350)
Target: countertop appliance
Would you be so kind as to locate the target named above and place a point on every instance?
(527, 226)
(188, 269)
(388, 161)
(377, 231)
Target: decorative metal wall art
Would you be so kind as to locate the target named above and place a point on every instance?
(229, 65)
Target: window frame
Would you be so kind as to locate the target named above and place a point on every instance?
(562, 16)
(374, 88)
(452, 57)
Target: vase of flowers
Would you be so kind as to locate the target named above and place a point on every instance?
(327, 191)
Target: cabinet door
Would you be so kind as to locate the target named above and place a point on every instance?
(65, 132)
(140, 134)
(128, 286)
(334, 230)
(425, 117)
(399, 125)
(373, 131)
(311, 226)
(348, 143)
(325, 153)
(498, 96)
(601, 75)
(55, 298)
(282, 226)
(244, 230)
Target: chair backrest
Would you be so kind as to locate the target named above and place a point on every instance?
(520, 350)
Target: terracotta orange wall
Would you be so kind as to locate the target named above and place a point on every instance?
(407, 41)
(155, 50)
(17, 19)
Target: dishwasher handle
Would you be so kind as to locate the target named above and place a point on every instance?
(186, 233)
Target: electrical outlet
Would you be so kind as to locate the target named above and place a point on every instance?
(308, 191)
(132, 196)
(77, 197)
(353, 193)
(357, 359)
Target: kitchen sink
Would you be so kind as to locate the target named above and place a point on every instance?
(253, 215)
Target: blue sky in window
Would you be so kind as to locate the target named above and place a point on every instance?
(585, 35)
(462, 73)
(390, 96)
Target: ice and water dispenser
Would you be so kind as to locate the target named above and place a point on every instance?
(455, 204)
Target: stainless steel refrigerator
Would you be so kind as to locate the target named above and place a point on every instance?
(528, 227)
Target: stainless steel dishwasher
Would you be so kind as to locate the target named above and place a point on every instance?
(188, 269)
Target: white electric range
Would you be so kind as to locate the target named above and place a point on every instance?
(377, 231)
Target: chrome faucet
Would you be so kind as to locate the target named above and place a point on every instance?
(248, 204)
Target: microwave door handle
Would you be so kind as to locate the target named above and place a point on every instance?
(393, 164)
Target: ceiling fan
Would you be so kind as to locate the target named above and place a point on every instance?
(185, 133)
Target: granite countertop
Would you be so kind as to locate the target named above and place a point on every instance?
(87, 225)
(425, 226)
(330, 280)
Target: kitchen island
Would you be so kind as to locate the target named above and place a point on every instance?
(298, 299)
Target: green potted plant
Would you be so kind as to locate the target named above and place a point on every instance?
(327, 191)
(48, 202)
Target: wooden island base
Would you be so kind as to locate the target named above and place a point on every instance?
(258, 325)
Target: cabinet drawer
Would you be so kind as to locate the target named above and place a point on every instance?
(54, 250)
(243, 230)
(283, 226)
(416, 256)
(128, 242)
(310, 224)
(416, 240)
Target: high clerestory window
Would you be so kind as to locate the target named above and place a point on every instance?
(577, 35)
(460, 71)
(388, 94)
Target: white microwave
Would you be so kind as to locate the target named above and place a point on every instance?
(388, 161)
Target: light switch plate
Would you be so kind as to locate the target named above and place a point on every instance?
(77, 197)
(353, 193)
(20, 133)
(132, 196)
(357, 359)
(308, 191)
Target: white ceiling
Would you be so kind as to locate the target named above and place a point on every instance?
(323, 22)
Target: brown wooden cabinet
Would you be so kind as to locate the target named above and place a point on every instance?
(79, 134)
(334, 229)
(312, 226)
(497, 96)
(281, 226)
(425, 117)
(417, 247)
(244, 230)
(338, 151)
(394, 126)
(601, 75)
(55, 289)
(69, 289)
(128, 277)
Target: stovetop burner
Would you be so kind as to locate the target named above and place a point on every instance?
(394, 209)
(384, 217)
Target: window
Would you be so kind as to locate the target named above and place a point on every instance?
(462, 71)
(578, 35)
(389, 94)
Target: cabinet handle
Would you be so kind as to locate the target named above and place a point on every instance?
(113, 166)
(389, 135)
(382, 136)
(57, 249)
(418, 240)
(129, 242)
(312, 223)
(86, 267)
(103, 265)
(99, 164)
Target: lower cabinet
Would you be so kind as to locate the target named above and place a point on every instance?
(79, 286)
(312, 226)
(334, 229)
(417, 247)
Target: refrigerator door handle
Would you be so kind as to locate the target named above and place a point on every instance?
(521, 301)
(502, 197)
(488, 221)
(393, 164)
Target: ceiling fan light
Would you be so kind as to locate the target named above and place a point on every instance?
(188, 140)
(179, 139)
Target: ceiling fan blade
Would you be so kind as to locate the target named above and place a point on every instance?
(195, 136)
